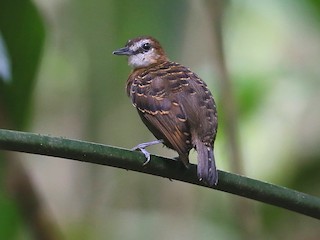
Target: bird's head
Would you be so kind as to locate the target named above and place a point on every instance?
(142, 52)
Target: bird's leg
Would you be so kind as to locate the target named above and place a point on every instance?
(142, 147)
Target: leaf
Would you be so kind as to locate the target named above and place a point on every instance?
(23, 32)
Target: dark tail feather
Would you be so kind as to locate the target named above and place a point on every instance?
(207, 171)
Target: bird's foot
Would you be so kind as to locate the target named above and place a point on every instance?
(142, 147)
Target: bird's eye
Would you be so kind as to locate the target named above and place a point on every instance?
(146, 46)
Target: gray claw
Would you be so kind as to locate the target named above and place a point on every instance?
(142, 147)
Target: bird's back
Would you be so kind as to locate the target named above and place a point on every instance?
(175, 104)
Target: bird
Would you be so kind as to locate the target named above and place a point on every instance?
(174, 103)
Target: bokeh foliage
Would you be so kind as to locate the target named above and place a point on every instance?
(272, 54)
(22, 31)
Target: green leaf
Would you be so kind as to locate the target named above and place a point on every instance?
(23, 33)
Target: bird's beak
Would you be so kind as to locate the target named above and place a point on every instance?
(123, 51)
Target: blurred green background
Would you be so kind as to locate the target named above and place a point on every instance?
(60, 78)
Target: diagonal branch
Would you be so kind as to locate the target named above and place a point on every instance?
(159, 166)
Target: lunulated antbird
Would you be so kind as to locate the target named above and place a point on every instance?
(174, 103)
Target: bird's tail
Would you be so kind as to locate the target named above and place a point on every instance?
(207, 171)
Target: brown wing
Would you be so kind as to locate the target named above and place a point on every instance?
(156, 94)
(199, 106)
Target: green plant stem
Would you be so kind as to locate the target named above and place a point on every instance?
(159, 166)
